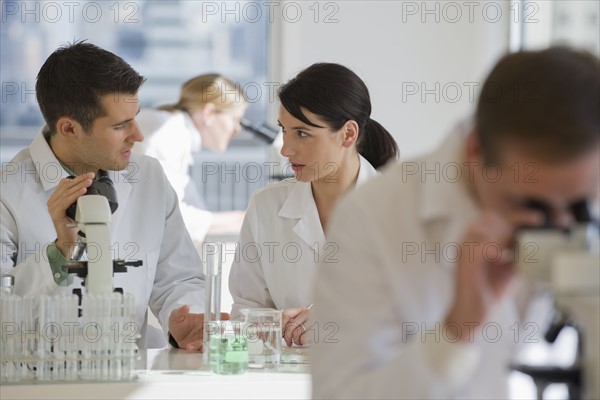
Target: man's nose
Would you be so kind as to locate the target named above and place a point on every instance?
(562, 219)
(137, 135)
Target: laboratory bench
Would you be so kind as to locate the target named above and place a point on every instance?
(179, 374)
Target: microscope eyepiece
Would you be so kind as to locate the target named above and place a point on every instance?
(265, 132)
(102, 185)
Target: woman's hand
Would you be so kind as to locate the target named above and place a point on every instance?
(294, 326)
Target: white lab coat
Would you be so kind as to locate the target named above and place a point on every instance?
(172, 138)
(281, 242)
(394, 282)
(147, 226)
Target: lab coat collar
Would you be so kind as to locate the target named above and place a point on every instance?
(50, 172)
(443, 196)
(297, 201)
(122, 181)
(299, 198)
(366, 171)
(300, 204)
(195, 138)
(49, 169)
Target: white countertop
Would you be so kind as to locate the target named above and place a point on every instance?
(176, 374)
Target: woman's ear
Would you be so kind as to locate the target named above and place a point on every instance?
(208, 113)
(350, 131)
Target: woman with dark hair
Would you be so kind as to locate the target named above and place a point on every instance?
(333, 145)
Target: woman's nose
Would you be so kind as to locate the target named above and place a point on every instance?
(237, 129)
(286, 149)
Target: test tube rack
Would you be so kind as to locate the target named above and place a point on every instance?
(45, 339)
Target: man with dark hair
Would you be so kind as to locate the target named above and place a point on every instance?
(553, 117)
(89, 99)
(424, 297)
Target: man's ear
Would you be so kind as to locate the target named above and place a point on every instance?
(66, 126)
(350, 131)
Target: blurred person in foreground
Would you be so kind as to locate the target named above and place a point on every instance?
(424, 297)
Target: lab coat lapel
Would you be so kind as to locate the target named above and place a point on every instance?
(122, 184)
(365, 172)
(51, 172)
(300, 205)
(444, 198)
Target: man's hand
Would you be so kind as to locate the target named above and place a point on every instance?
(187, 329)
(294, 329)
(486, 267)
(66, 193)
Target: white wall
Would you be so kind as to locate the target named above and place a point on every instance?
(388, 45)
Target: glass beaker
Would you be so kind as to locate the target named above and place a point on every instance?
(263, 330)
(228, 347)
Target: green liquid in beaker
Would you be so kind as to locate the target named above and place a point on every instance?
(228, 354)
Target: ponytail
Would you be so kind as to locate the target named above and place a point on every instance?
(170, 108)
(376, 144)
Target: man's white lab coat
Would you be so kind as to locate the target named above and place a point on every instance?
(281, 243)
(147, 226)
(379, 311)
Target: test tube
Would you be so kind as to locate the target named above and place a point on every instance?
(41, 353)
(129, 354)
(208, 258)
(85, 345)
(71, 337)
(116, 312)
(29, 345)
(11, 316)
(218, 261)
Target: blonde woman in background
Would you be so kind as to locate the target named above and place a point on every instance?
(207, 115)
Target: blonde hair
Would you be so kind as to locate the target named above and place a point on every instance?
(209, 88)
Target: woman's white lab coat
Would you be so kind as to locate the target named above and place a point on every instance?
(147, 226)
(281, 242)
(172, 138)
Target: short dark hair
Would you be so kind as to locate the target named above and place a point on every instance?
(546, 101)
(75, 76)
(337, 95)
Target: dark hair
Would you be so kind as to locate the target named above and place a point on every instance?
(337, 95)
(546, 101)
(74, 77)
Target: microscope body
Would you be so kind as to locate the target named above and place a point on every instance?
(568, 264)
(92, 213)
(93, 218)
